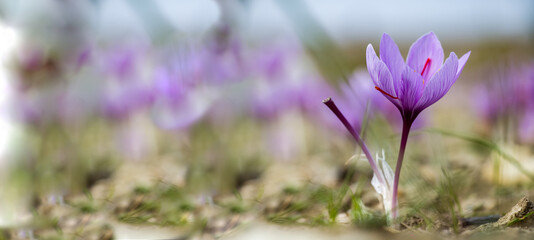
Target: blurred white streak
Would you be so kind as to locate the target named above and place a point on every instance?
(9, 41)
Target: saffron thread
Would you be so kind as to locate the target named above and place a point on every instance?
(385, 93)
(427, 64)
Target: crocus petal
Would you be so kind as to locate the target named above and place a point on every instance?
(386, 188)
(372, 62)
(380, 75)
(391, 56)
(411, 88)
(461, 63)
(440, 83)
(427, 46)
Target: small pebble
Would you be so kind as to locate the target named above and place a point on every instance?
(343, 218)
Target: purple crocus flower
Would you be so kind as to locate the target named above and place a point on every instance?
(417, 83)
(413, 85)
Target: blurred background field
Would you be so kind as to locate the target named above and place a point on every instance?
(203, 119)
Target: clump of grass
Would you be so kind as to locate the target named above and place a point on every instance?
(361, 216)
(141, 190)
(282, 219)
(297, 206)
(237, 208)
(291, 190)
(307, 204)
(88, 207)
(335, 202)
(128, 218)
(186, 207)
(171, 193)
(174, 220)
(449, 192)
(162, 204)
(492, 146)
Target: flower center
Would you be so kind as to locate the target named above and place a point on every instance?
(385, 93)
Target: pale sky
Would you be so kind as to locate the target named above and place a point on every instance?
(344, 20)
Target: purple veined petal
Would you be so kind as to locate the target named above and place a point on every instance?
(461, 63)
(426, 47)
(411, 88)
(381, 76)
(440, 83)
(391, 56)
(372, 61)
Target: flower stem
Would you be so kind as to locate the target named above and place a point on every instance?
(330, 104)
(407, 124)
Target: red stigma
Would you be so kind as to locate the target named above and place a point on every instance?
(385, 93)
(427, 64)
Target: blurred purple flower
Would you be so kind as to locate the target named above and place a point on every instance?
(181, 87)
(317, 88)
(26, 110)
(499, 97)
(121, 104)
(40, 107)
(270, 61)
(124, 89)
(270, 99)
(122, 61)
(507, 98)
